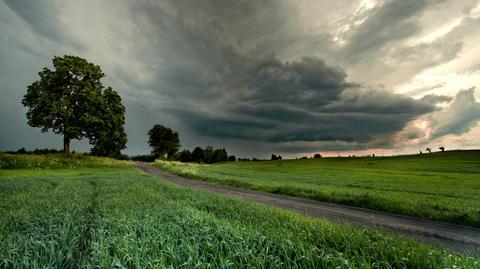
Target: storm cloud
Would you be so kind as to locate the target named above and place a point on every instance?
(276, 75)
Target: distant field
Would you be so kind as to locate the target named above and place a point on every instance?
(440, 186)
(108, 217)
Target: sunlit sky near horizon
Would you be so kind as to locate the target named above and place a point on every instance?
(260, 77)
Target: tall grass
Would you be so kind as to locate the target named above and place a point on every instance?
(55, 161)
(106, 218)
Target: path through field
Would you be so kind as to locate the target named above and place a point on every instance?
(452, 236)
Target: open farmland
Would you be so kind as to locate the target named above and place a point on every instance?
(119, 217)
(440, 186)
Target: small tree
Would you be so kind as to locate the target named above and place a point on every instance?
(66, 99)
(198, 155)
(429, 150)
(208, 153)
(232, 158)
(163, 141)
(442, 149)
(185, 156)
(220, 155)
(317, 156)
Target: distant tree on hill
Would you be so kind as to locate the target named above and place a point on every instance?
(198, 155)
(163, 141)
(185, 156)
(317, 156)
(219, 155)
(232, 158)
(276, 157)
(70, 100)
(442, 149)
(429, 150)
(208, 153)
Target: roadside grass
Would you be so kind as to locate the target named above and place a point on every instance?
(55, 161)
(119, 217)
(439, 186)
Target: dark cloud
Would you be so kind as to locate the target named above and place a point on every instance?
(304, 100)
(227, 82)
(435, 99)
(459, 117)
(44, 20)
(393, 21)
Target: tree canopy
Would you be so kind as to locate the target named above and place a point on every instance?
(163, 140)
(71, 100)
(109, 138)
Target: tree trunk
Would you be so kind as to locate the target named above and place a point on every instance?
(66, 145)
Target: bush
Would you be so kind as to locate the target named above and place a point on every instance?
(144, 158)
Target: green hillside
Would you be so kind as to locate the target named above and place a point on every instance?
(441, 186)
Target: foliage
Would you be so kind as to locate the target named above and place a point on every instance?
(121, 218)
(207, 155)
(163, 140)
(144, 158)
(185, 156)
(275, 157)
(318, 155)
(71, 101)
(198, 155)
(35, 151)
(54, 161)
(441, 186)
(109, 136)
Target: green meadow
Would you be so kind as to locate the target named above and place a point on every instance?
(110, 215)
(441, 186)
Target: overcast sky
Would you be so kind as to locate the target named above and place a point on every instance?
(260, 77)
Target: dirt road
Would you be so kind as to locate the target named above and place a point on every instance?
(455, 237)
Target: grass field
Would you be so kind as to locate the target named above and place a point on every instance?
(55, 161)
(440, 186)
(109, 217)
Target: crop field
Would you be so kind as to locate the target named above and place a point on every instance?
(115, 216)
(440, 186)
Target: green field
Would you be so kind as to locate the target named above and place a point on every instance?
(115, 216)
(441, 186)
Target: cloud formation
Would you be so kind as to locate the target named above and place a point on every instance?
(277, 75)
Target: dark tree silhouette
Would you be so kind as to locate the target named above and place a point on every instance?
(198, 155)
(163, 140)
(317, 155)
(185, 156)
(442, 149)
(219, 155)
(429, 150)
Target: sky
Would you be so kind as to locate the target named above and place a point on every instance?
(289, 77)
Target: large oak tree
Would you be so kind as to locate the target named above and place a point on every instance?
(71, 100)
